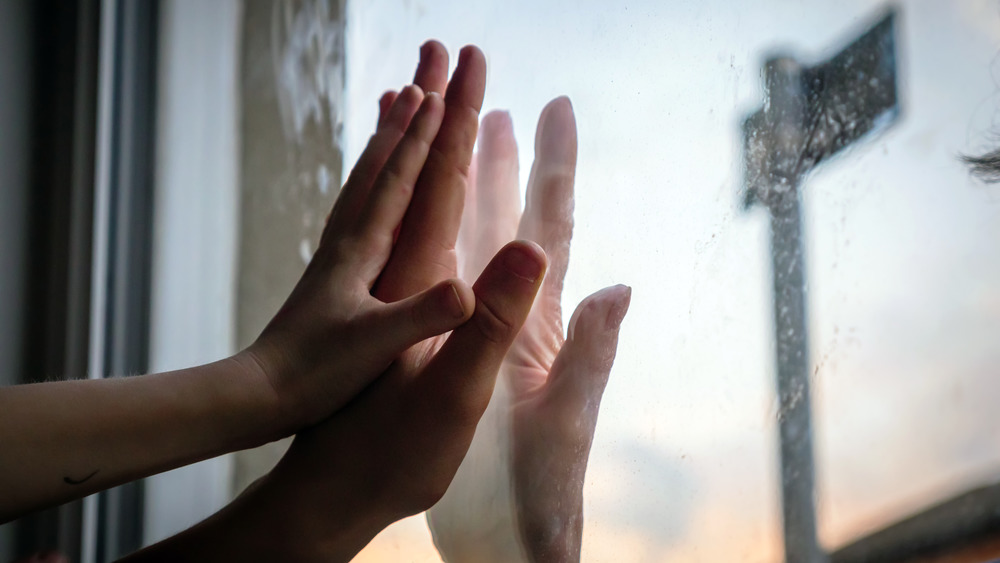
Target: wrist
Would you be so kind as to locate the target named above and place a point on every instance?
(271, 418)
(253, 527)
(282, 364)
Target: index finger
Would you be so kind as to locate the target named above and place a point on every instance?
(425, 249)
(432, 72)
(463, 373)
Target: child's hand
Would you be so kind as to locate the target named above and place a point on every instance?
(332, 337)
(393, 451)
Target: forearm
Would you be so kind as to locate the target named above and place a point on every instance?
(239, 532)
(270, 522)
(550, 452)
(552, 531)
(65, 440)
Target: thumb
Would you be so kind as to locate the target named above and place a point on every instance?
(580, 372)
(401, 324)
(463, 372)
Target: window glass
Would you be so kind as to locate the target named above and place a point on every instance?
(900, 251)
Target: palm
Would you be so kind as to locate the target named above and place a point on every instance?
(502, 504)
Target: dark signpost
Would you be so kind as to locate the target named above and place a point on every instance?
(809, 114)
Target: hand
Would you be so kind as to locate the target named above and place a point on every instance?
(392, 451)
(332, 337)
(519, 492)
(397, 448)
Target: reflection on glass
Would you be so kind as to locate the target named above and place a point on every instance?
(902, 268)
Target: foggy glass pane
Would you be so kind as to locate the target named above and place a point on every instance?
(899, 248)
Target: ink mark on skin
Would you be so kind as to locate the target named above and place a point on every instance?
(69, 481)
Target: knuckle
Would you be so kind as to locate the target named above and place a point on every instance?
(465, 112)
(365, 244)
(492, 326)
(421, 141)
(334, 250)
(419, 135)
(399, 184)
(392, 128)
(418, 315)
(446, 159)
(359, 247)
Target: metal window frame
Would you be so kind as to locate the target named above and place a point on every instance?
(122, 235)
(196, 236)
(63, 87)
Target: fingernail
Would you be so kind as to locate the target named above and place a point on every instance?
(617, 313)
(454, 303)
(523, 265)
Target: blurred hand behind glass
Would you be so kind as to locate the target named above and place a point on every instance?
(519, 492)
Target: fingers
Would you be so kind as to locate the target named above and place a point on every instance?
(580, 372)
(355, 191)
(384, 103)
(468, 230)
(425, 251)
(431, 76)
(464, 371)
(432, 71)
(497, 200)
(390, 196)
(548, 213)
(402, 324)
